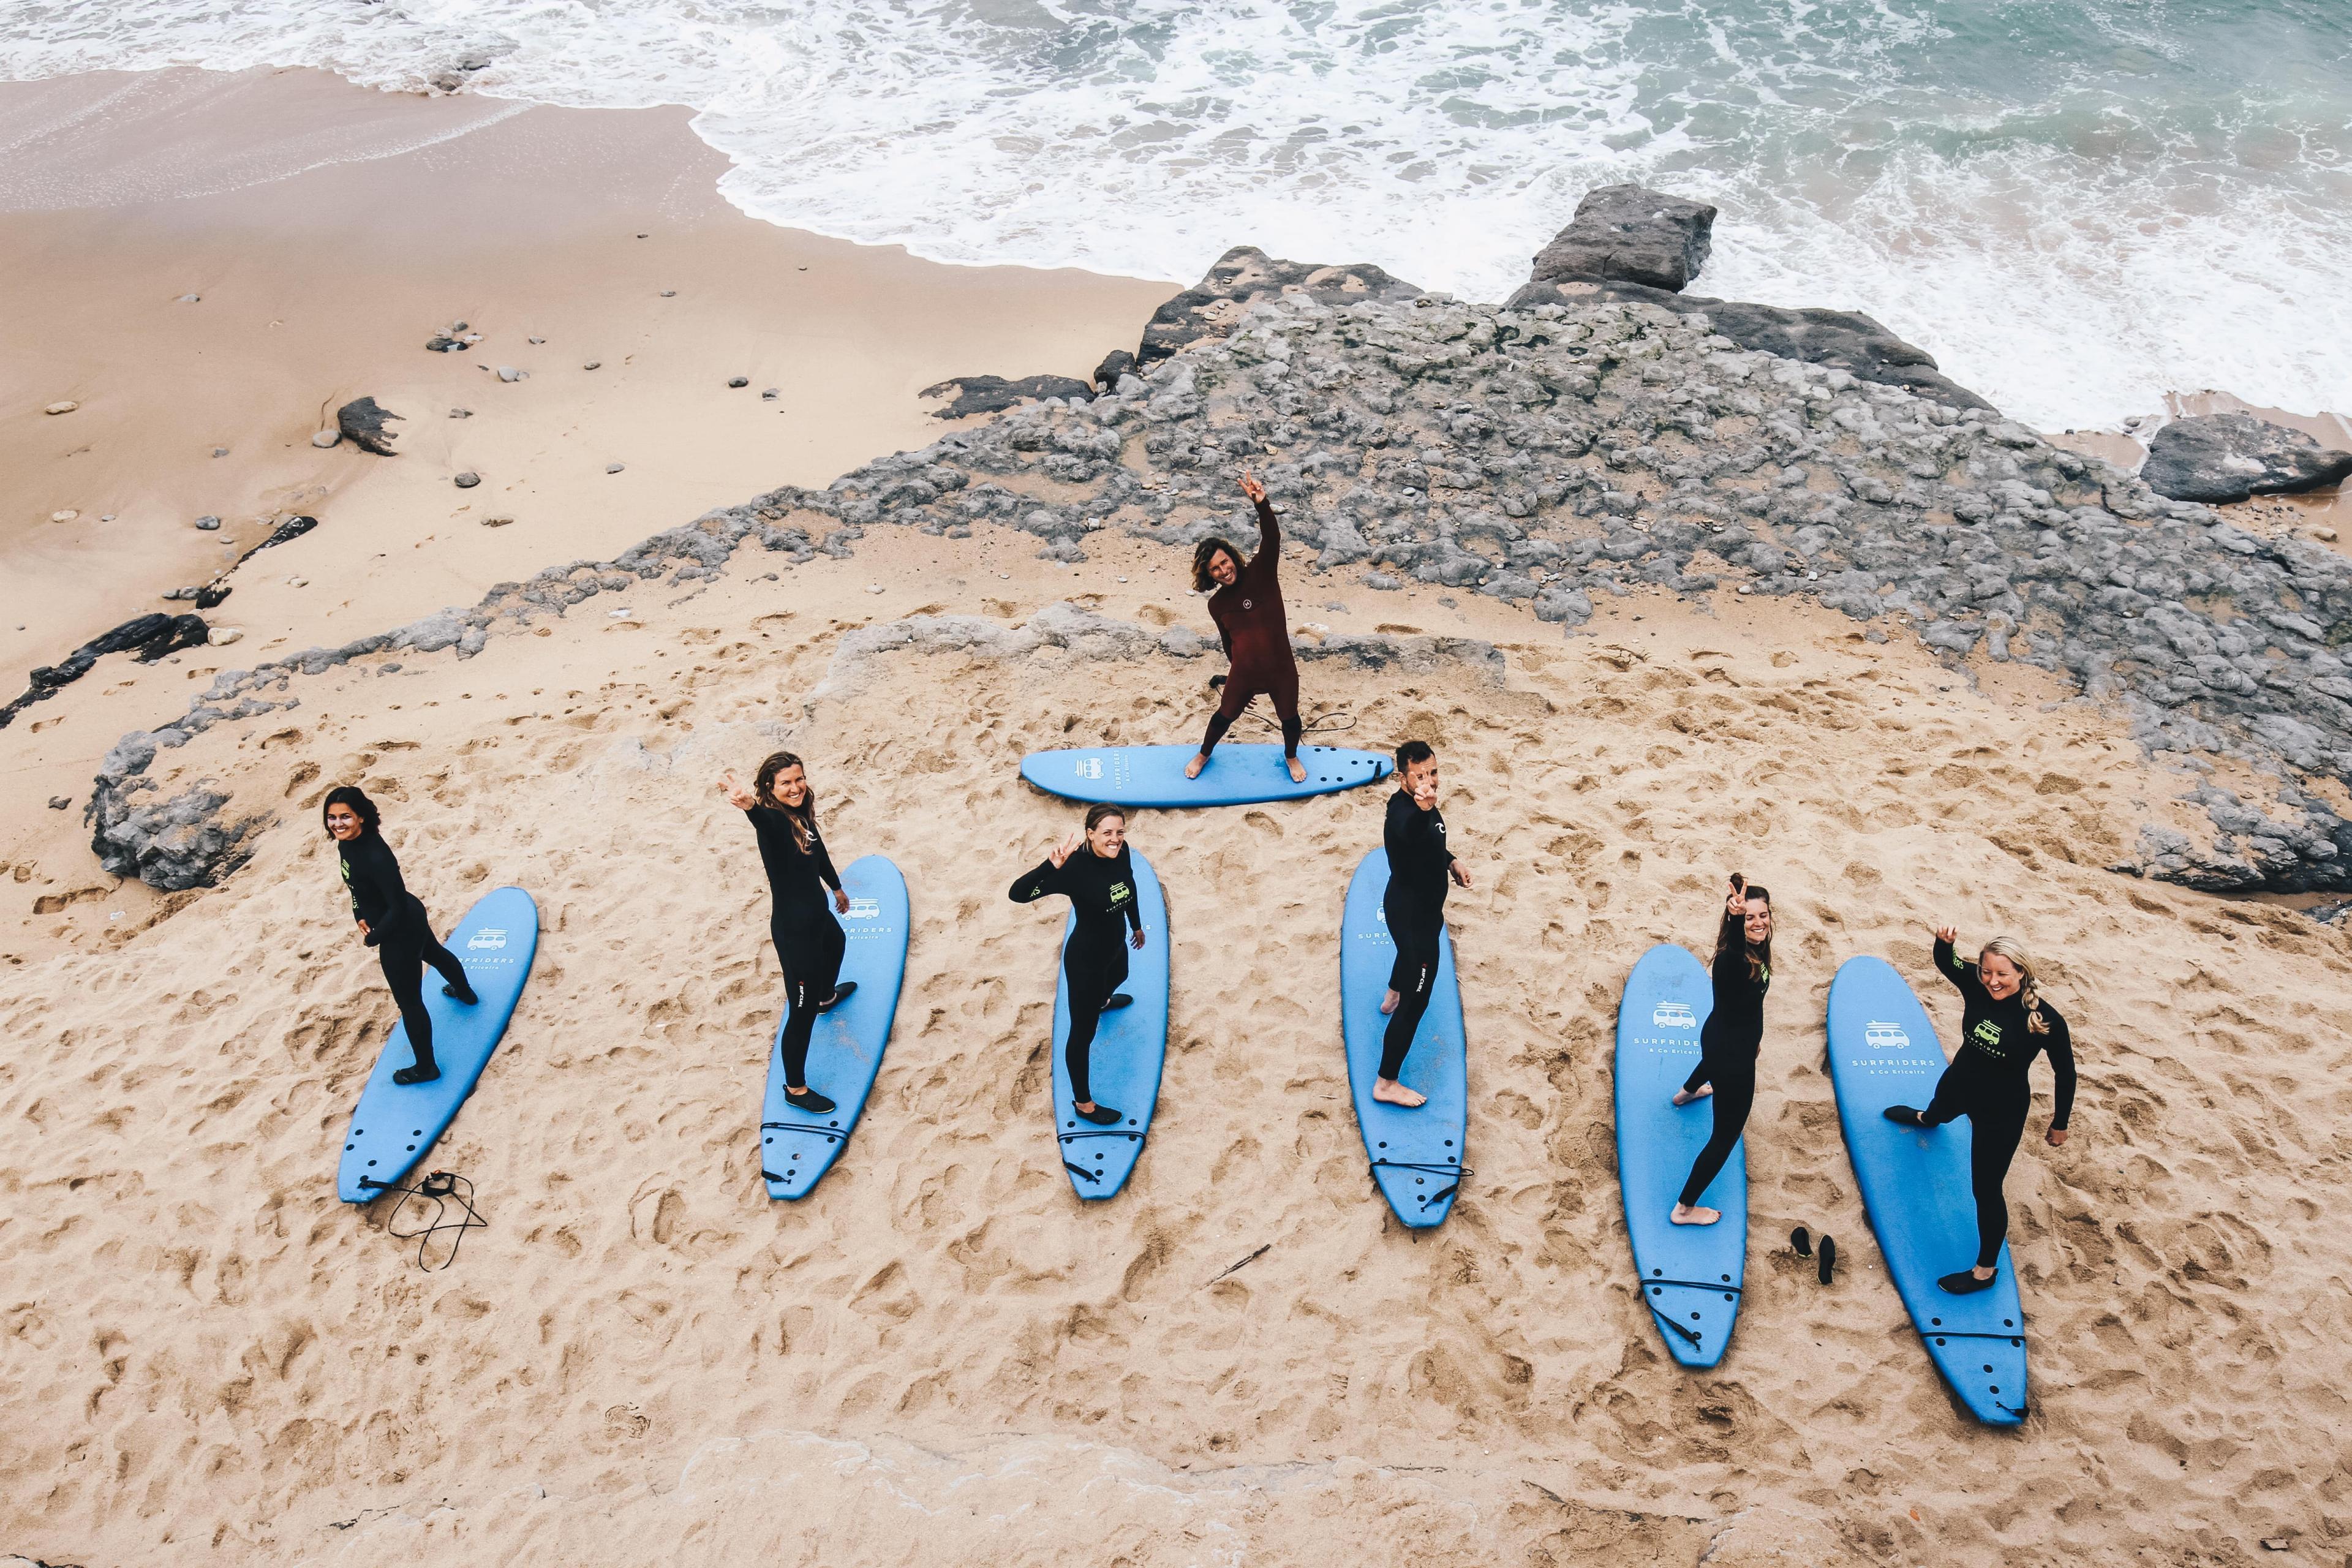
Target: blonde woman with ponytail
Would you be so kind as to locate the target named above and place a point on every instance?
(2004, 1025)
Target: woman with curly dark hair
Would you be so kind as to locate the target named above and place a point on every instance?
(392, 920)
(809, 941)
(1731, 1039)
(1245, 601)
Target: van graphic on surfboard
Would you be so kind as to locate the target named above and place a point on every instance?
(1885, 1036)
(1673, 1015)
(488, 937)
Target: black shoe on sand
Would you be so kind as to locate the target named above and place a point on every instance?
(1828, 1270)
(1802, 1240)
(1966, 1283)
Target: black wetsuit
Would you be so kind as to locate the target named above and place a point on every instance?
(1102, 896)
(1987, 1083)
(809, 942)
(1419, 862)
(1728, 1045)
(403, 934)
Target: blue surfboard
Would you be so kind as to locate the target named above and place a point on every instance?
(1915, 1184)
(1691, 1274)
(1237, 774)
(396, 1125)
(845, 1047)
(1416, 1154)
(1130, 1047)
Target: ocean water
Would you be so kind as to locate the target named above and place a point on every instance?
(2076, 205)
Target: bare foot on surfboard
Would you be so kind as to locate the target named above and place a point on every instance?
(1388, 1003)
(1298, 770)
(1193, 769)
(1684, 1095)
(1691, 1214)
(1388, 1091)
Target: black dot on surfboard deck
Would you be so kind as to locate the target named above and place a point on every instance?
(1655, 1272)
(1726, 1295)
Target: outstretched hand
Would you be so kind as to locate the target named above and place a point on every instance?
(1947, 933)
(739, 794)
(1057, 853)
(1253, 488)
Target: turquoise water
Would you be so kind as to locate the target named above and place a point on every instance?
(2077, 206)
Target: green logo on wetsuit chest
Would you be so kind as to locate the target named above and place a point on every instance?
(1120, 893)
(1987, 1038)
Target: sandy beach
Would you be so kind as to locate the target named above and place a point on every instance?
(642, 1359)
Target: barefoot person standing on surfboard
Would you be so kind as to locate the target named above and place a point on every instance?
(2004, 1025)
(809, 941)
(1730, 1038)
(1247, 605)
(1420, 865)
(1097, 875)
(392, 920)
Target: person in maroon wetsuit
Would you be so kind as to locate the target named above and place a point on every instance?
(1248, 607)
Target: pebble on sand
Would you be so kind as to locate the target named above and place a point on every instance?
(508, 373)
(739, 381)
(220, 451)
(67, 516)
(592, 364)
(60, 801)
(467, 480)
(496, 522)
(538, 340)
(221, 637)
(66, 407)
(461, 414)
(614, 468)
(771, 395)
(208, 524)
(190, 298)
(326, 437)
(670, 293)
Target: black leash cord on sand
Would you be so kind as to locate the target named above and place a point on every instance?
(439, 1189)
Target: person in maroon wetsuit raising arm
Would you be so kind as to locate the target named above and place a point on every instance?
(1248, 607)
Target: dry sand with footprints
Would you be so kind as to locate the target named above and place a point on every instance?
(942, 1354)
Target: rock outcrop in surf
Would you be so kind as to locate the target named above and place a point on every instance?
(1546, 453)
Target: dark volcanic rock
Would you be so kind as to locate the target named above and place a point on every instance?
(1245, 275)
(361, 422)
(149, 637)
(994, 394)
(1115, 363)
(1625, 234)
(2229, 456)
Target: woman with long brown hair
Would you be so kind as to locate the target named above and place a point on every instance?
(1730, 1040)
(1093, 870)
(809, 942)
(2004, 1025)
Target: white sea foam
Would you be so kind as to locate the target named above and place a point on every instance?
(2066, 247)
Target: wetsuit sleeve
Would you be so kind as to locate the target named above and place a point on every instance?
(821, 862)
(1955, 969)
(1730, 966)
(1267, 562)
(1393, 835)
(379, 896)
(1039, 881)
(1135, 904)
(2060, 1044)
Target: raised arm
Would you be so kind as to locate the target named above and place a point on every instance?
(1037, 882)
(1951, 966)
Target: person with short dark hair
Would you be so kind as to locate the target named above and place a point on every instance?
(1093, 870)
(1420, 866)
(394, 922)
(809, 942)
(1245, 601)
(1731, 1039)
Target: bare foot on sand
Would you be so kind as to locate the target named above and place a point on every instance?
(1388, 1091)
(1388, 1003)
(1690, 1214)
(1193, 769)
(1684, 1095)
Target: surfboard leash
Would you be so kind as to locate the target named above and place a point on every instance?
(1456, 1171)
(440, 1189)
(1689, 1334)
(1069, 1138)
